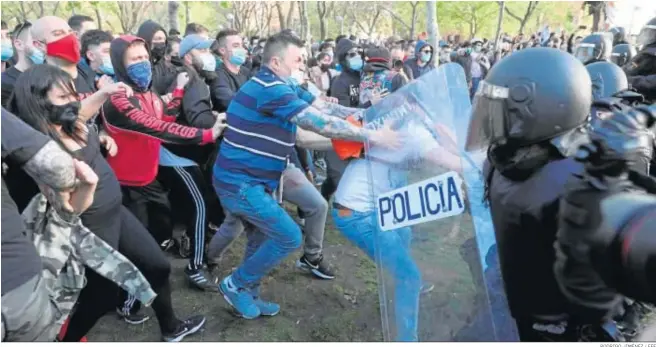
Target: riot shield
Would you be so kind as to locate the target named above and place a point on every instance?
(438, 276)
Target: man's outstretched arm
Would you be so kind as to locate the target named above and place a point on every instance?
(329, 126)
(337, 110)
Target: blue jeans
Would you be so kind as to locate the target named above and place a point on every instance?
(273, 236)
(475, 82)
(392, 248)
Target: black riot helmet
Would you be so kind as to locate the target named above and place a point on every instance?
(622, 54)
(619, 36)
(607, 79)
(647, 36)
(594, 47)
(520, 105)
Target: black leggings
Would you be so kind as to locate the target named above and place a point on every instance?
(98, 297)
(150, 204)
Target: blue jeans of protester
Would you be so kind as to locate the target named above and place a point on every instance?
(475, 82)
(392, 248)
(274, 236)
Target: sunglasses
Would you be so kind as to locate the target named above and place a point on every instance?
(352, 54)
(427, 51)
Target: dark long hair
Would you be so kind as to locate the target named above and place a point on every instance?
(30, 102)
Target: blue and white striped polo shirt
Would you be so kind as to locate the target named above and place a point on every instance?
(260, 136)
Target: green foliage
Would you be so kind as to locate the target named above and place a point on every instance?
(477, 18)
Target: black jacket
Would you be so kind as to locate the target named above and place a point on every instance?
(226, 85)
(196, 112)
(346, 86)
(9, 78)
(641, 71)
(524, 214)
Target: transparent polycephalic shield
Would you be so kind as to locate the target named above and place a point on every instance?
(438, 271)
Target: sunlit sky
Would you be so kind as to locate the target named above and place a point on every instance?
(625, 12)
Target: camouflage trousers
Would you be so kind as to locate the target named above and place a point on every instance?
(29, 314)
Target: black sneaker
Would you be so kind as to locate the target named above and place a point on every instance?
(132, 318)
(189, 326)
(167, 245)
(184, 247)
(202, 279)
(318, 268)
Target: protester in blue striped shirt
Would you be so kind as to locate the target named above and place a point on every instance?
(258, 142)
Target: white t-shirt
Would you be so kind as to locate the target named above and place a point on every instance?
(357, 190)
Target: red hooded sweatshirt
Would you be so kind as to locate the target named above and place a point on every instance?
(139, 124)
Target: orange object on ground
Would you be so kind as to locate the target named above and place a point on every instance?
(62, 331)
(349, 149)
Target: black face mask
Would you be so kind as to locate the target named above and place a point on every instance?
(65, 115)
(176, 60)
(157, 51)
(325, 67)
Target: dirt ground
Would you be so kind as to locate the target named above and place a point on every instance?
(344, 309)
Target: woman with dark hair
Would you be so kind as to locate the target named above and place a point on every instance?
(45, 98)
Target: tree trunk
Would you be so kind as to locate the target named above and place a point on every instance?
(502, 5)
(281, 16)
(290, 15)
(98, 17)
(431, 23)
(321, 10)
(174, 7)
(41, 9)
(413, 24)
(305, 21)
(187, 13)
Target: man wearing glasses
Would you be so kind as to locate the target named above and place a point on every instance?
(422, 62)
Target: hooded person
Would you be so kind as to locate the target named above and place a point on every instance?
(163, 72)
(346, 89)
(141, 122)
(422, 62)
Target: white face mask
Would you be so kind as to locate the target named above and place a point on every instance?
(297, 77)
(209, 63)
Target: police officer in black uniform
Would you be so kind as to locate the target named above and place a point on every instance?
(622, 54)
(531, 120)
(642, 69)
(610, 93)
(619, 36)
(606, 242)
(595, 47)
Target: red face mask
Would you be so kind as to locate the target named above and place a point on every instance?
(67, 48)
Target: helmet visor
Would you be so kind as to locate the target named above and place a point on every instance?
(488, 121)
(647, 35)
(585, 52)
(619, 58)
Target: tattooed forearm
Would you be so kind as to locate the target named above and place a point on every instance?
(337, 110)
(53, 167)
(332, 127)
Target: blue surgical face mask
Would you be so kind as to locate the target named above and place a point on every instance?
(37, 57)
(7, 51)
(238, 57)
(106, 67)
(356, 63)
(141, 74)
(426, 57)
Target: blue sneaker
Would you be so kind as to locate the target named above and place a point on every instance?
(267, 308)
(239, 298)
